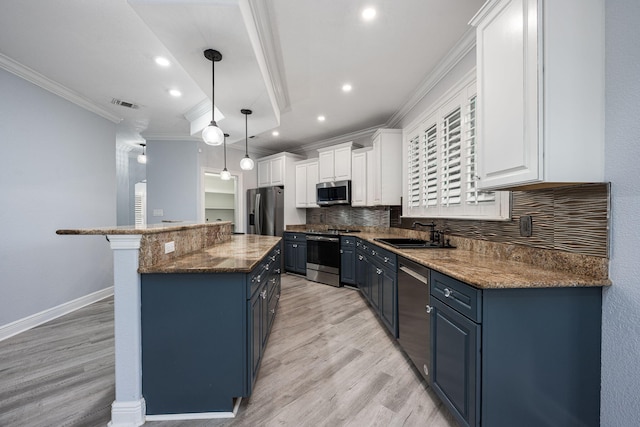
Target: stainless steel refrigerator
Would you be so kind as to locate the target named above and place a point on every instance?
(265, 211)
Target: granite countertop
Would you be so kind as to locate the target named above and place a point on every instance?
(239, 255)
(139, 229)
(486, 272)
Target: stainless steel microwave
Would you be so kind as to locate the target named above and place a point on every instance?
(333, 193)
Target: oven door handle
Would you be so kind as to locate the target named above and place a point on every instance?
(323, 238)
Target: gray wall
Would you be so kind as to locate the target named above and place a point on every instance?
(57, 170)
(172, 180)
(174, 170)
(621, 307)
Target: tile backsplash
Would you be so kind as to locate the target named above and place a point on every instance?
(379, 216)
(572, 219)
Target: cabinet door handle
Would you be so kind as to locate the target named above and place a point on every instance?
(447, 292)
(374, 253)
(263, 294)
(278, 251)
(273, 280)
(278, 296)
(273, 311)
(428, 308)
(341, 251)
(386, 259)
(272, 258)
(258, 279)
(378, 271)
(295, 246)
(277, 271)
(360, 257)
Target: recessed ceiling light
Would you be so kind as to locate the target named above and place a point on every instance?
(368, 14)
(162, 61)
(346, 87)
(175, 92)
(275, 133)
(321, 118)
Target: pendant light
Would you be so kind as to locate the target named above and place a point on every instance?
(142, 158)
(246, 163)
(225, 175)
(212, 134)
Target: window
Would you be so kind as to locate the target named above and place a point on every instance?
(440, 162)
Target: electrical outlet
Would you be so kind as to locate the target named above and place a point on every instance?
(169, 247)
(526, 225)
(158, 212)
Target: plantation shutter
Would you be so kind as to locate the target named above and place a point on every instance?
(473, 196)
(430, 147)
(451, 163)
(414, 175)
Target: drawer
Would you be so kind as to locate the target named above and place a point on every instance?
(254, 279)
(383, 256)
(463, 298)
(295, 236)
(347, 241)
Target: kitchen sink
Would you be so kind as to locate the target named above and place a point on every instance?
(409, 243)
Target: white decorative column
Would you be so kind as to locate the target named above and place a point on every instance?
(128, 410)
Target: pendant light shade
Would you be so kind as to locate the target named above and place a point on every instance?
(142, 158)
(225, 175)
(246, 163)
(212, 134)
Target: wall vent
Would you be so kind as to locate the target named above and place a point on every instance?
(124, 104)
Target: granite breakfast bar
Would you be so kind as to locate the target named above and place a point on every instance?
(243, 268)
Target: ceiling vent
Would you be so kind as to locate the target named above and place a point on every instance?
(124, 104)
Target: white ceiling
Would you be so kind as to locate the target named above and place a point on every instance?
(284, 59)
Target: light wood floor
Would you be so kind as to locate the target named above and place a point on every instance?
(329, 362)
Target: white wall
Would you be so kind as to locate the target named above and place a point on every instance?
(621, 306)
(57, 170)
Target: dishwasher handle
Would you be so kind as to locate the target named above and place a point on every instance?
(414, 274)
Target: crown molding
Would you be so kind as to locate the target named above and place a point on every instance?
(338, 139)
(466, 43)
(47, 84)
(260, 13)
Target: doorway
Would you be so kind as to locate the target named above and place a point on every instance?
(221, 201)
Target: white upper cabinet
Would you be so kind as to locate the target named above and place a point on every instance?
(540, 78)
(386, 167)
(271, 171)
(359, 176)
(306, 180)
(334, 163)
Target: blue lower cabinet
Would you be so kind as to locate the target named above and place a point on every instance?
(525, 357)
(348, 260)
(455, 370)
(203, 336)
(376, 276)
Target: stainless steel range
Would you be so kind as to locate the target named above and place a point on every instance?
(323, 255)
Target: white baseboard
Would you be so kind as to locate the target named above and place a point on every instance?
(196, 416)
(127, 413)
(21, 325)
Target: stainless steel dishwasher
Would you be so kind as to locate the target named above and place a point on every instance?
(413, 314)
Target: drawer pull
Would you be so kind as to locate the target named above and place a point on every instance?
(273, 311)
(360, 257)
(263, 294)
(378, 271)
(447, 292)
(294, 245)
(374, 253)
(428, 308)
(386, 259)
(277, 271)
(272, 258)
